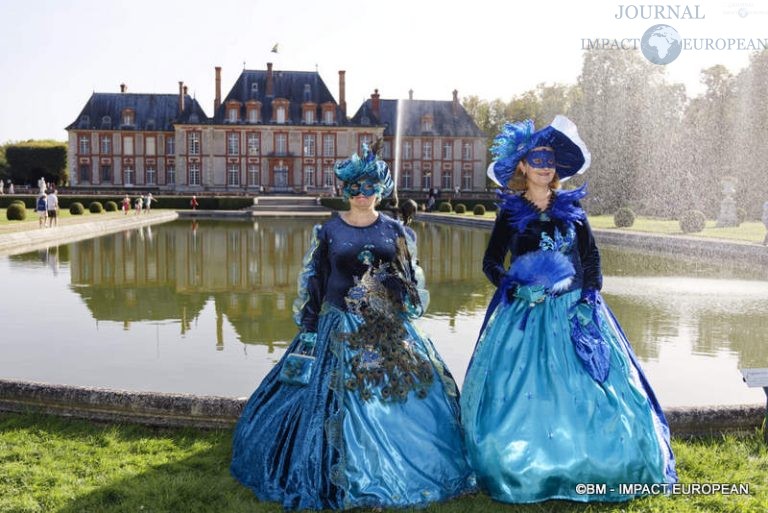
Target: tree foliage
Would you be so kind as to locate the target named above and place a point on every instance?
(31, 160)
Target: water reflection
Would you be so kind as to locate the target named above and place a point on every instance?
(163, 299)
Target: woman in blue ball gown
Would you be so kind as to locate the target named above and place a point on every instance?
(554, 395)
(361, 411)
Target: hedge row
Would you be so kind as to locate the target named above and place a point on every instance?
(172, 202)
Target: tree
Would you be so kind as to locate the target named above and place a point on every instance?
(31, 160)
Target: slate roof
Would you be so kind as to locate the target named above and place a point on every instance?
(151, 112)
(444, 122)
(291, 85)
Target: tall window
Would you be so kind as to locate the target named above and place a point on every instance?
(329, 145)
(85, 145)
(309, 176)
(150, 146)
(407, 150)
(233, 175)
(427, 150)
(446, 180)
(466, 182)
(387, 150)
(309, 145)
(253, 115)
(426, 181)
(106, 144)
(128, 175)
(194, 143)
(309, 117)
(328, 117)
(406, 180)
(253, 174)
(281, 144)
(151, 175)
(106, 173)
(170, 145)
(447, 150)
(194, 173)
(232, 114)
(328, 176)
(254, 145)
(127, 145)
(170, 174)
(85, 173)
(466, 151)
(280, 116)
(233, 144)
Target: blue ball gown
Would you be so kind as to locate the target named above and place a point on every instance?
(378, 422)
(549, 402)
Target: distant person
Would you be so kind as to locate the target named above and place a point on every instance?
(430, 202)
(10, 188)
(2, 187)
(765, 222)
(193, 202)
(52, 204)
(126, 204)
(148, 199)
(139, 204)
(41, 207)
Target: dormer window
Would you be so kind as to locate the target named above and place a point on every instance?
(426, 123)
(128, 117)
(232, 114)
(150, 124)
(255, 89)
(328, 117)
(253, 111)
(307, 93)
(280, 111)
(106, 122)
(85, 121)
(280, 115)
(309, 117)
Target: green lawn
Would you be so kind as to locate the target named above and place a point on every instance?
(51, 464)
(752, 231)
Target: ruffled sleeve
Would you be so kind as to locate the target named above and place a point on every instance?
(312, 282)
(498, 246)
(418, 272)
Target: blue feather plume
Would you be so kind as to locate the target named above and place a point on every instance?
(549, 269)
(565, 206)
(519, 211)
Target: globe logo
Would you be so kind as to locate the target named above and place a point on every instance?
(661, 44)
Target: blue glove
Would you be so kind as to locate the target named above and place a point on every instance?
(308, 339)
(531, 294)
(584, 312)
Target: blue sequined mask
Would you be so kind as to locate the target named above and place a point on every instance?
(365, 187)
(541, 159)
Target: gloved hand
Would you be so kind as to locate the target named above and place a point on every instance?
(531, 294)
(583, 311)
(308, 339)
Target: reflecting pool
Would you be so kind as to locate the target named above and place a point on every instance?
(205, 308)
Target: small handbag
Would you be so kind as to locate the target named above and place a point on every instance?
(297, 366)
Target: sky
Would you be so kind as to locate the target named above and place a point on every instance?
(56, 53)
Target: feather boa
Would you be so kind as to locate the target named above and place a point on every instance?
(563, 207)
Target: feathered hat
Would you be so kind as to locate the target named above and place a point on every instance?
(516, 139)
(357, 168)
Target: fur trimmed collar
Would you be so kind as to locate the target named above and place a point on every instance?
(563, 206)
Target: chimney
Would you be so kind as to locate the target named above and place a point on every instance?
(455, 105)
(123, 88)
(375, 103)
(410, 94)
(342, 94)
(217, 100)
(181, 96)
(269, 92)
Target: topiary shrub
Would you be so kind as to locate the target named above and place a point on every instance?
(18, 202)
(445, 206)
(76, 209)
(741, 215)
(16, 211)
(479, 210)
(692, 221)
(96, 207)
(460, 208)
(110, 206)
(624, 218)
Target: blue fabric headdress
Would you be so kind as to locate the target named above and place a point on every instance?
(516, 139)
(369, 166)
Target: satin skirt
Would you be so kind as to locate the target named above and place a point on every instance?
(321, 446)
(536, 422)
